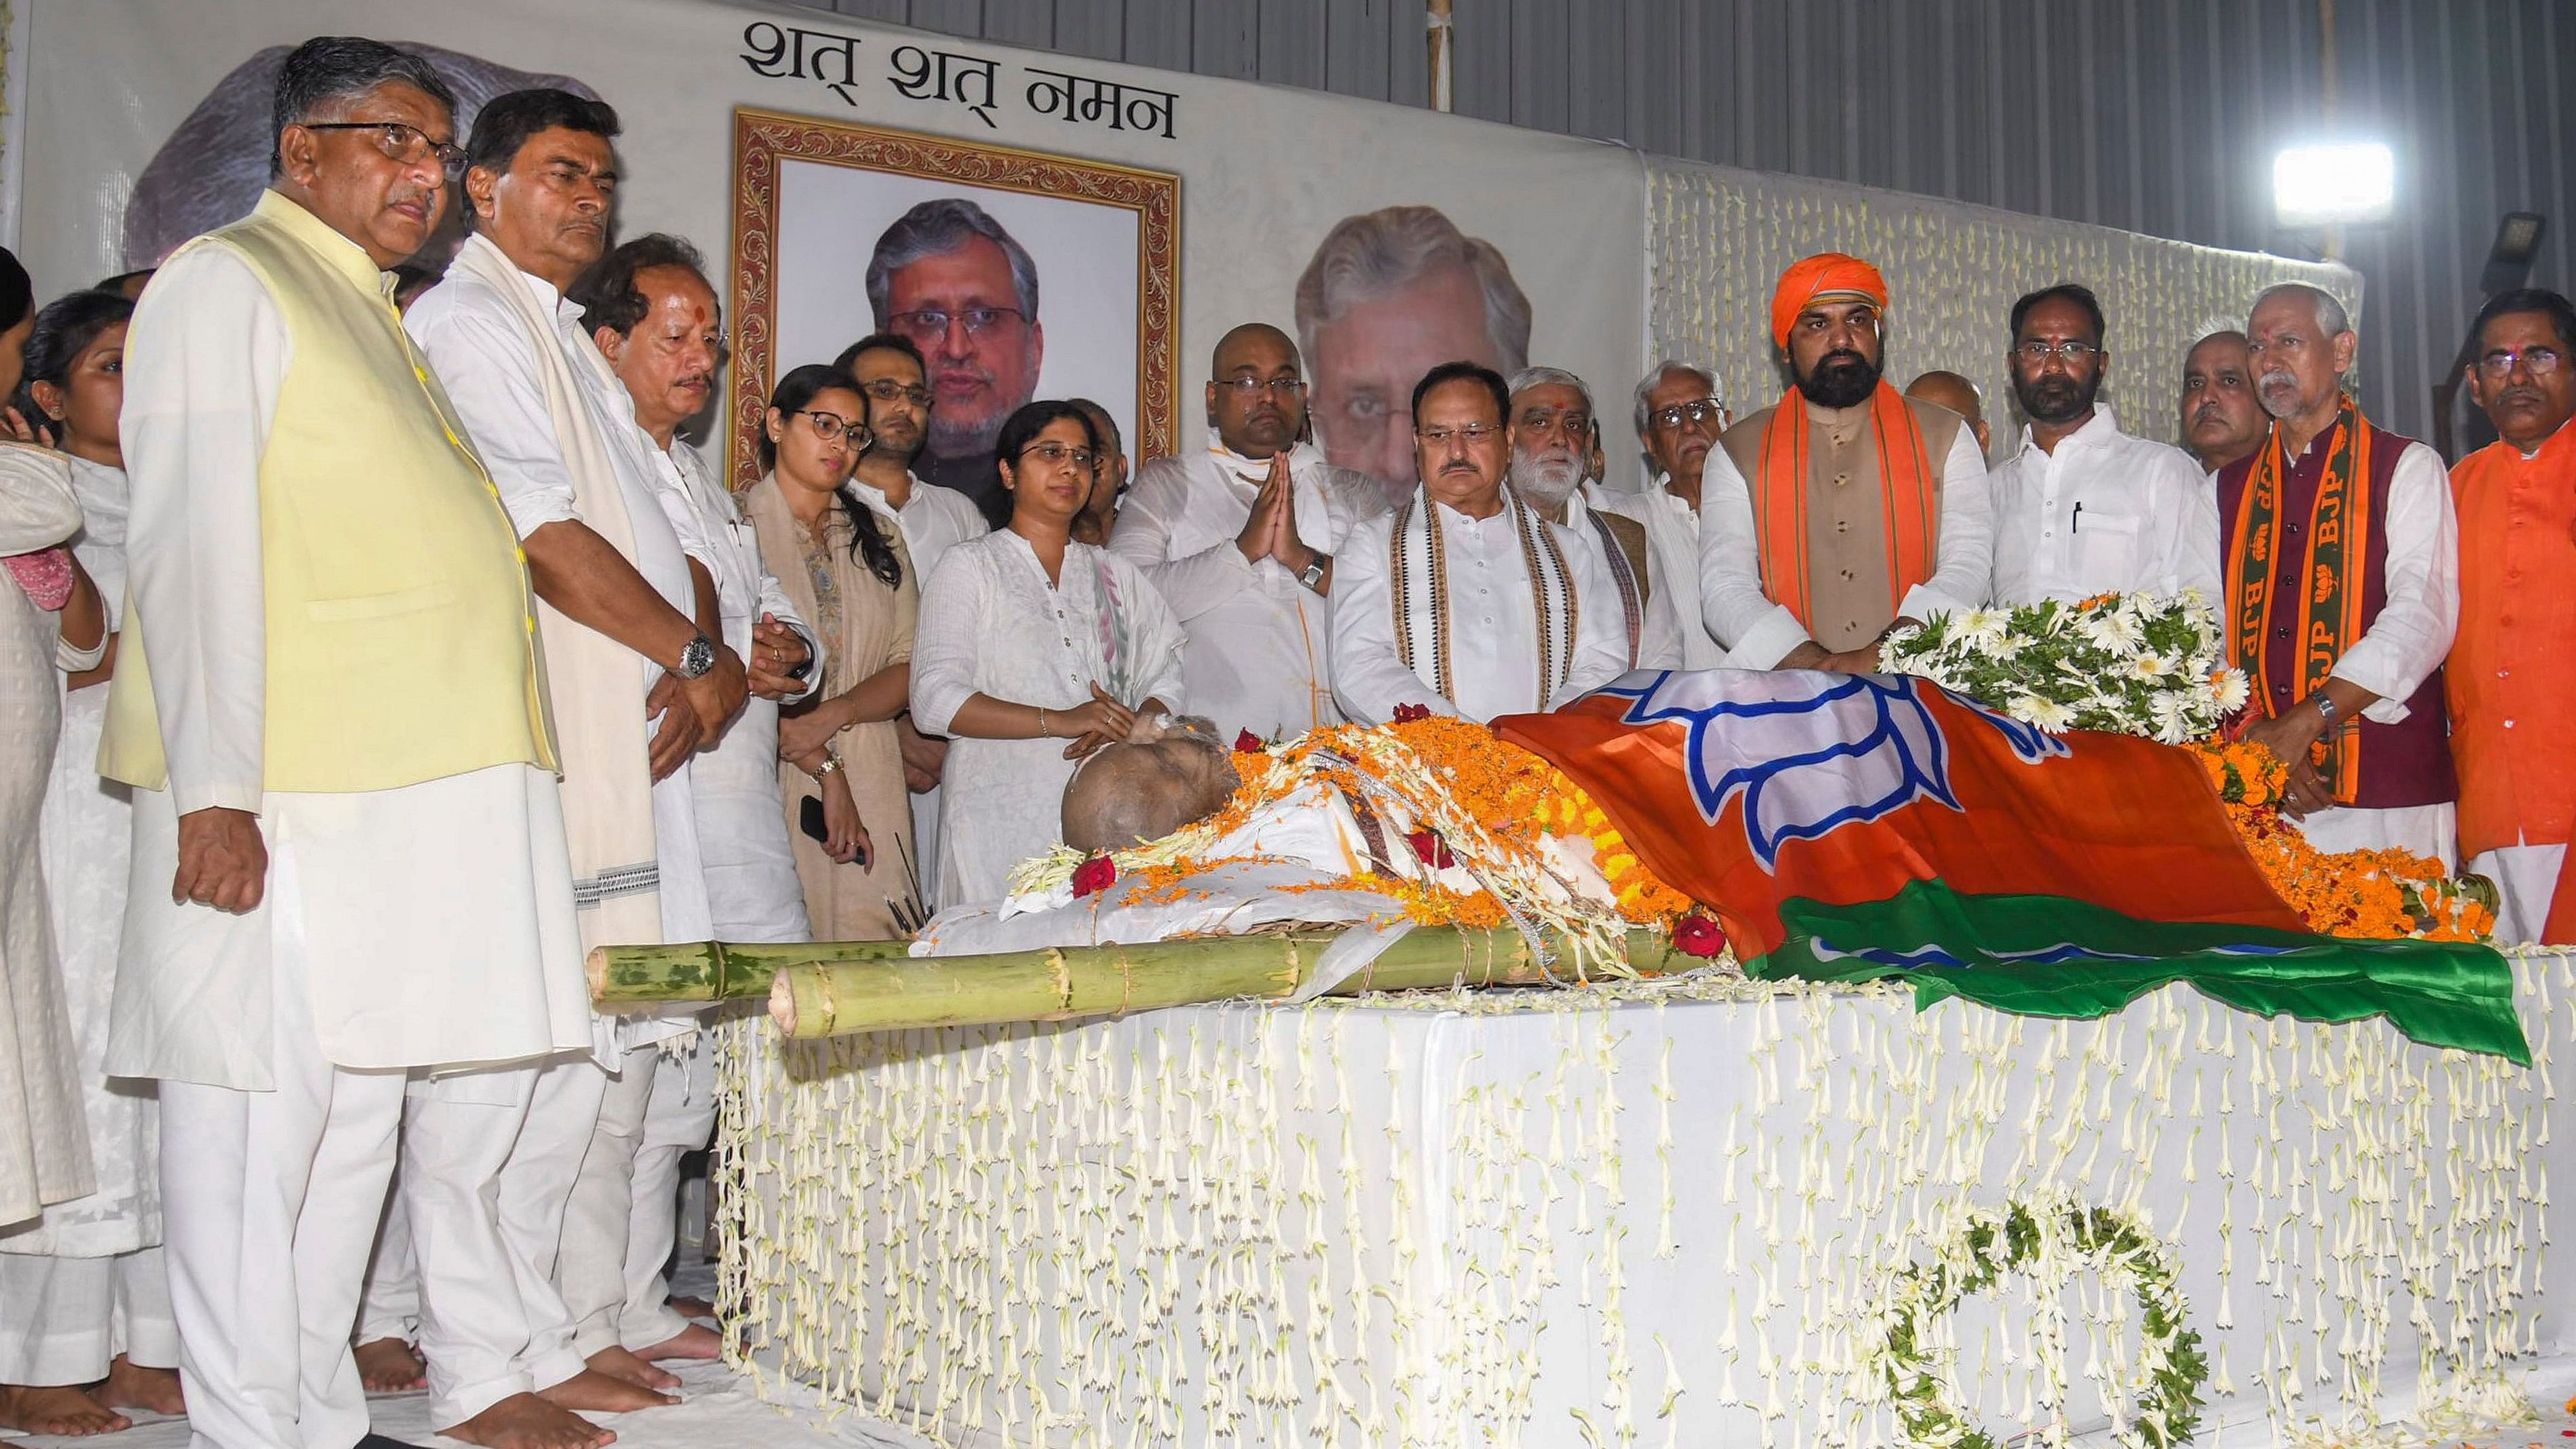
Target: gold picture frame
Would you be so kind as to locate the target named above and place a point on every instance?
(763, 140)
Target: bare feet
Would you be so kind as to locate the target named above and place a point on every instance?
(57, 1411)
(618, 1363)
(129, 1385)
(388, 1366)
(695, 1341)
(595, 1391)
(692, 1307)
(525, 1421)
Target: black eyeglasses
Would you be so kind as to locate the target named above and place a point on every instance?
(405, 143)
(828, 426)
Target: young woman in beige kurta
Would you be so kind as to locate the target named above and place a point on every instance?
(860, 884)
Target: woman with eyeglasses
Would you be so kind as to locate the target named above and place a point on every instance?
(847, 572)
(1035, 651)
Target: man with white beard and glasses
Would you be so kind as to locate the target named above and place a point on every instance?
(2084, 508)
(1680, 411)
(1555, 450)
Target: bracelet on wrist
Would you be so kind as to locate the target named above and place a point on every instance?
(831, 766)
(1043, 732)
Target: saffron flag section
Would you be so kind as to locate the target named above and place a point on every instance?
(1853, 827)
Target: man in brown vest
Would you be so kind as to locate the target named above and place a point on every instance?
(1847, 509)
(2339, 551)
(1556, 451)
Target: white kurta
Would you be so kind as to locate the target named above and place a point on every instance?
(1493, 626)
(1659, 631)
(89, 825)
(934, 520)
(2103, 513)
(752, 894)
(991, 624)
(1259, 655)
(1759, 633)
(438, 917)
(44, 1141)
(472, 336)
(1672, 531)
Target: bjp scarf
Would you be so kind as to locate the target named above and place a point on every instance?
(1909, 492)
(2338, 550)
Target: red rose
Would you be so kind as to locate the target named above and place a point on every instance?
(1697, 935)
(1408, 713)
(1431, 850)
(1094, 875)
(1247, 743)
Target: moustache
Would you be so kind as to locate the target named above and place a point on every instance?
(2206, 412)
(2526, 396)
(1843, 355)
(1458, 465)
(695, 381)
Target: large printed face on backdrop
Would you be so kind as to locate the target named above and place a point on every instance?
(212, 169)
(1388, 296)
(965, 291)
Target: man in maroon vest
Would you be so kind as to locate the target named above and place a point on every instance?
(2340, 551)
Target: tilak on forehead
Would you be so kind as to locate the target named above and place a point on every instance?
(1824, 277)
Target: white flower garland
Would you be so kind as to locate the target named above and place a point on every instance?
(2133, 664)
(2050, 1242)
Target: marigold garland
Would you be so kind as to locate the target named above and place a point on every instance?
(2363, 894)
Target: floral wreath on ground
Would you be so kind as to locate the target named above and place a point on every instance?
(2137, 664)
(1499, 831)
(2049, 1242)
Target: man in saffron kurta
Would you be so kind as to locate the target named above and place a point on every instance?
(1847, 509)
(349, 855)
(2339, 556)
(2511, 677)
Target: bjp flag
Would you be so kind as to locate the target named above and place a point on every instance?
(1851, 827)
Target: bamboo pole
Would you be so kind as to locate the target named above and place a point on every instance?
(841, 988)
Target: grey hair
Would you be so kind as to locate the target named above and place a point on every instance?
(2216, 325)
(2331, 316)
(342, 67)
(1529, 377)
(1378, 252)
(1654, 378)
(934, 229)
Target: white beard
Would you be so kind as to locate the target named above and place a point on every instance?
(1546, 482)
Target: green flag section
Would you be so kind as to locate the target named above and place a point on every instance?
(2037, 955)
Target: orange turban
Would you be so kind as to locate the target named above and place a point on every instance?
(1826, 274)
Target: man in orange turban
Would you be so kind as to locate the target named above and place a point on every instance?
(1847, 509)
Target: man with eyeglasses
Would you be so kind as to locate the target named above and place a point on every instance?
(1556, 451)
(1680, 411)
(2511, 677)
(1241, 540)
(639, 678)
(1847, 509)
(947, 276)
(892, 376)
(329, 667)
(2339, 549)
(1465, 601)
(2084, 508)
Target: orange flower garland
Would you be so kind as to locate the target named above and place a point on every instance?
(2378, 895)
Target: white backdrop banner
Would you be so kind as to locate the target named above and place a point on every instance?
(147, 121)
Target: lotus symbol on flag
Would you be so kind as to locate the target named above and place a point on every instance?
(1810, 751)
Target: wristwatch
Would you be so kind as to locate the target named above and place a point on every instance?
(2325, 706)
(1313, 577)
(696, 658)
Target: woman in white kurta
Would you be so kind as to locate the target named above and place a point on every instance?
(1028, 640)
(83, 1298)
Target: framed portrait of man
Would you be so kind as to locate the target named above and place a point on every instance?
(1019, 274)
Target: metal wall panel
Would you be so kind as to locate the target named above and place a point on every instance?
(2158, 116)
